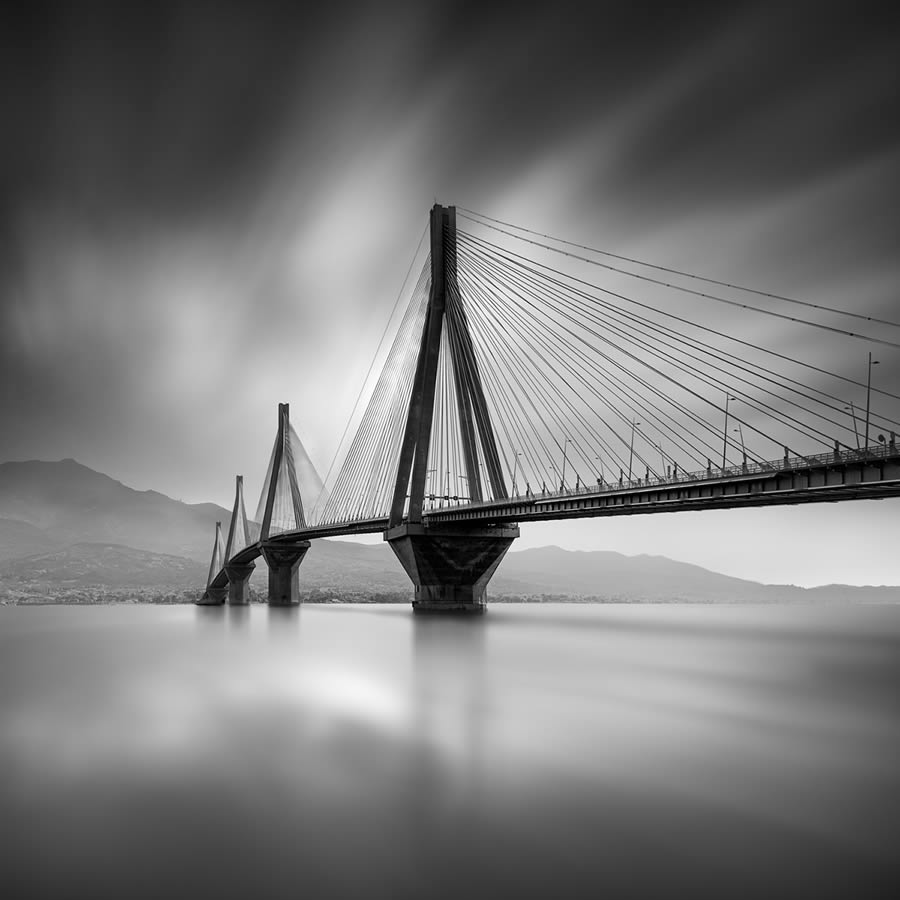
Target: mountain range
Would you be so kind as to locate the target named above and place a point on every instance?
(62, 503)
(63, 525)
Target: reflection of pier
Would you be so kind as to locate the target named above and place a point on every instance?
(449, 725)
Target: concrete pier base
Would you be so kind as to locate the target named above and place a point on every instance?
(239, 583)
(283, 560)
(213, 596)
(450, 568)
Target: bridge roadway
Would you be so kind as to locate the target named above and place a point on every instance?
(826, 478)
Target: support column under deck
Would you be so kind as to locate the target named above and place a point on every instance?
(283, 560)
(213, 596)
(450, 567)
(238, 575)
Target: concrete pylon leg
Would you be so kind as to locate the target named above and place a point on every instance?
(283, 560)
(239, 583)
(214, 596)
(450, 569)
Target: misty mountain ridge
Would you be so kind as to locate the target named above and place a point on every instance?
(69, 503)
(18, 538)
(62, 523)
(89, 565)
(610, 575)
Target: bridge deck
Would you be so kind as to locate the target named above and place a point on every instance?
(828, 478)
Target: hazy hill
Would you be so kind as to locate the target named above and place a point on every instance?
(21, 539)
(71, 503)
(615, 576)
(350, 566)
(103, 565)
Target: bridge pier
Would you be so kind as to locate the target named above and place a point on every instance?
(239, 583)
(450, 567)
(214, 596)
(283, 560)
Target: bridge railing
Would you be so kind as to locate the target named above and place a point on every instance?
(712, 473)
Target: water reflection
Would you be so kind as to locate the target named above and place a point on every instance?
(238, 617)
(447, 690)
(341, 751)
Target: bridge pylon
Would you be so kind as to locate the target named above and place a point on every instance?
(283, 511)
(213, 595)
(283, 559)
(239, 538)
(450, 568)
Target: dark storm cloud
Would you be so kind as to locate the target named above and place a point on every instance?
(132, 117)
(143, 110)
(773, 101)
(163, 159)
(132, 124)
(150, 112)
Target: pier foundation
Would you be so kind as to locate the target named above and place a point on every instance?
(450, 568)
(283, 560)
(239, 583)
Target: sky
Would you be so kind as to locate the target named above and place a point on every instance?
(208, 209)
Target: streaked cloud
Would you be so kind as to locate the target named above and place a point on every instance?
(207, 212)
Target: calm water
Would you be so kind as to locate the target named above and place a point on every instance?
(539, 752)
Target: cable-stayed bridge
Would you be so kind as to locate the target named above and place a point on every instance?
(531, 378)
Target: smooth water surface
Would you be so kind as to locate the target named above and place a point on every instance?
(541, 751)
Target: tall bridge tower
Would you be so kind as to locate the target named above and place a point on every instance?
(449, 566)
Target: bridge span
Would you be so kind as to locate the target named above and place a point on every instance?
(469, 401)
(828, 478)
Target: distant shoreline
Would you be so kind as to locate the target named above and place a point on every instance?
(169, 600)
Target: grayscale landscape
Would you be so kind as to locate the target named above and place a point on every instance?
(449, 451)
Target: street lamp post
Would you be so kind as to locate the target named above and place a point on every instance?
(725, 430)
(631, 448)
(562, 478)
(602, 471)
(516, 455)
(872, 362)
(555, 472)
(852, 409)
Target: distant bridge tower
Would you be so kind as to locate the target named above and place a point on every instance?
(449, 566)
(239, 537)
(215, 594)
(283, 556)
